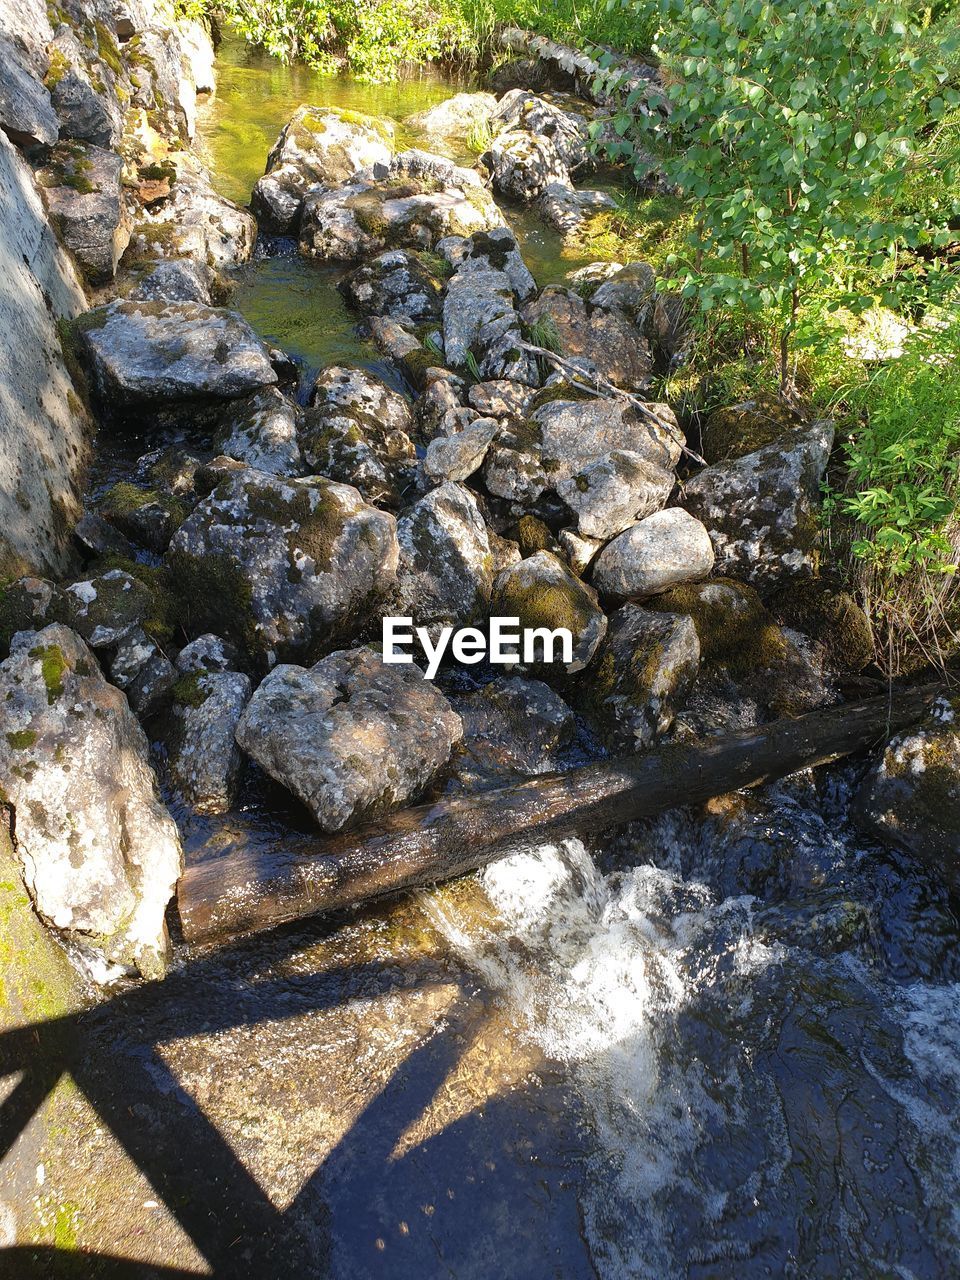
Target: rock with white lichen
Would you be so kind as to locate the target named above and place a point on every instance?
(660, 551)
(203, 757)
(352, 737)
(446, 566)
(99, 852)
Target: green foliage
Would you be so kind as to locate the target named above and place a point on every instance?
(629, 29)
(793, 128)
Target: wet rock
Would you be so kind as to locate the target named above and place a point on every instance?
(543, 593)
(140, 667)
(455, 118)
(642, 676)
(660, 551)
(204, 759)
(458, 456)
(319, 147)
(564, 208)
(568, 131)
(105, 609)
(422, 199)
(261, 430)
(830, 616)
(28, 604)
(605, 340)
(356, 431)
(761, 509)
(494, 250)
(182, 281)
(282, 567)
(512, 728)
(100, 854)
(446, 567)
(500, 398)
(85, 201)
(395, 284)
(352, 737)
(736, 429)
(911, 797)
(147, 353)
(76, 83)
(149, 517)
(522, 165)
(26, 113)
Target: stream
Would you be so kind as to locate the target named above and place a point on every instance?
(723, 1044)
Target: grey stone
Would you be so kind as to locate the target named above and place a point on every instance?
(207, 653)
(352, 737)
(512, 728)
(84, 109)
(660, 551)
(568, 131)
(455, 117)
(607, 340)
(26, 113)
(543, 593)
(522, 165)
(446, 567)
(494, 250)
(395, 284)
(458, 456)
(105, 609)
(204, 759)
(565, 208)
(261, 430)
(179, 281)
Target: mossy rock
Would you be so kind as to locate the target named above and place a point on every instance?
(743, 428)
(734, 628)
(534, 535)
(830, 616)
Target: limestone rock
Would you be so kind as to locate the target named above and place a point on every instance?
(395, 284)
(522, 165)
(196, 222)
(832, 617)
(660, 551)
(736, 429)
(261, 430)
(352, 737)
(26, 113)
(458, 456)
(76, 81)
(500, 398)
(204, 759)
(455, 117)
(139, 667)
(100, 854)
(568, 131)
(319, 147)
(598, 338)
(761, 509)
(564, 208)
(147, 353)
(281, 567)
(480, 319)
(446, 567)
(642, 676)
(178, 281)
(85, 201)
(543, 593)
(207, 653)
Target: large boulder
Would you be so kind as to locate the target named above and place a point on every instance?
(26, 112)
(85, 201)
(446, 566)
(660, 551)
(395, 284)
(196, 222)
(911, 797)
(565, 208)
(150, 353)
(567, 130)
(356, 431)
(261, 430)
(455, 118)
(495, 250)
(284, 568)
(76, 80)
(203, 757)
(100, 854)
(543, 593)
(596, 339)
(512, 728)
(760, 509)
(642, 675)
(319, 147)
(522, 165)
(419, 201)
(352, 737)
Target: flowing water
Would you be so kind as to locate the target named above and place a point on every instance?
(723, 1044)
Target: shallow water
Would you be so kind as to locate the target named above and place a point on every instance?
(717, 1045)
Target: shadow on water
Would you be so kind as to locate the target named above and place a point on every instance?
(443, 1207)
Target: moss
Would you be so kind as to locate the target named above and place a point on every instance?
(533, 536)
(436, 264)
(165, 616)
(416, 363)
(22, 739)
(557, 391)
(214, 595)
(738, 429)
(367, 209)
(191, 690)
(108, 48)
(734, 629)
(542, 604)
(53, 668)
(830, 616)
(59, 66)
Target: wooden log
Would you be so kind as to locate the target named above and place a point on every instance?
(245, 890)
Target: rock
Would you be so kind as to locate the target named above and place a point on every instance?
(162, 82)
(356, 431)
(140, 667)
(352, 737)
(642, 676)
(446, 567)
(458, 456)
(105, 609)
(630, 289)
(760, 510)
(564, 208)
(261, 430)
(281, 567)
(207, 653)
(736, 429)
(149, 517)
(660, 551)
(26, 113)
(911, 798)
(28, 605)
(542, 592)
(204, 760)
(494, 250)
(480, 320)
(409, 208)
(149, 353)
(100, 854)
(85, 201)
(98, 537)
(455, 118)
(671, 329)
(500, 398)
(605, 340)
(182, 281)
(504, 552)
(319, 147)
(198, 52)
(580, 551)
(440, 410)
(568, 131)
(76, 83)
(522, 165)
(512, 728)
(196, 222)
(608, 493)
(830, 616)
(395, 284)
(533, 536)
